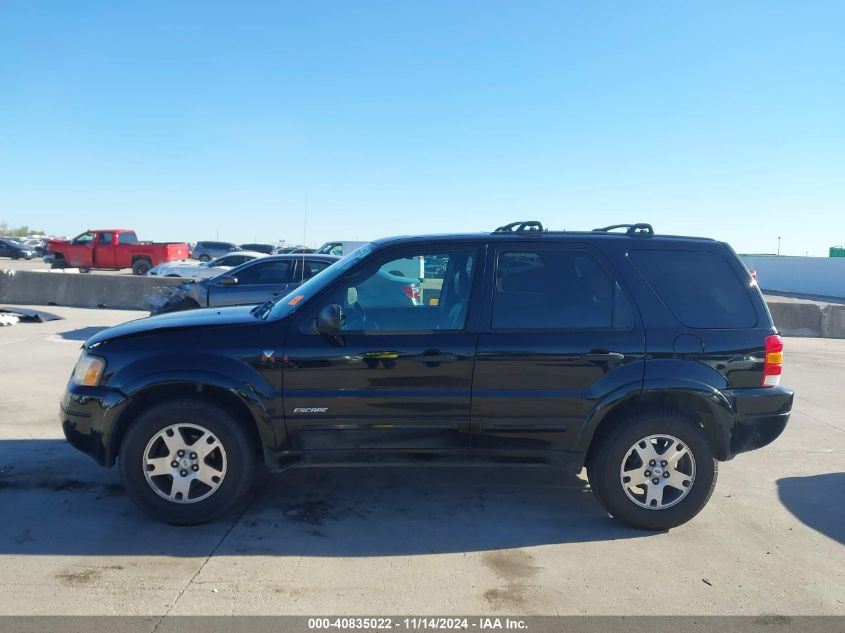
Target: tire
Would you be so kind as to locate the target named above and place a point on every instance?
(14, 256)
(204, 258)
(231, 453)
(178, 306)
(141, 266)
(617, 456)
(84, 270)
(59, 262)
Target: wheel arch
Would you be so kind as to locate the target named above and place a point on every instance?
(707, 406)
(247, 409)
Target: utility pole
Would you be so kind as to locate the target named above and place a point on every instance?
(778, 244)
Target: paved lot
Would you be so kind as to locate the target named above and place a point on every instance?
(412, 541)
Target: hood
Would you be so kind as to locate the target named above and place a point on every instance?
(188, 319)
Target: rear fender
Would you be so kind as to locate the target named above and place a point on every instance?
(705, 404)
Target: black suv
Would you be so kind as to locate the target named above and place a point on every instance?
(643, 358)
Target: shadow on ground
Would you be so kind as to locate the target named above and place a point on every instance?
(58, 501)
(818, 501)
(81, 334)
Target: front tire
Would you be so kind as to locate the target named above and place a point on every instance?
(654, 471)
(187, 462)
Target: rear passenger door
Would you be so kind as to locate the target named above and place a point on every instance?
(256, 283)
(559, 334)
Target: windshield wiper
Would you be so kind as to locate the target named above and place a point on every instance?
(260, 311)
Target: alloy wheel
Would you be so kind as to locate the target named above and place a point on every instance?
(657, 472)
(184, 463)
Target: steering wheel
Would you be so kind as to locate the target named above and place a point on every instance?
(354, 317)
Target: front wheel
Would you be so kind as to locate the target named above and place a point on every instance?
(655, 471)
(186, 462)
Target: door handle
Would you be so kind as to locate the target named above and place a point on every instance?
(604, 356)
(432, 357)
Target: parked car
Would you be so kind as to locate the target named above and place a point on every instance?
(339, 248)
(206, 251)
(253, 282)
(293, 249)
(112, 249)
(267, 249)
(10, 247)
(644, 358)
(204, 270)
(36, 244)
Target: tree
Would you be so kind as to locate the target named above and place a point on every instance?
(19, 231)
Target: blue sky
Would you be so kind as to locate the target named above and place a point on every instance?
(185, 120)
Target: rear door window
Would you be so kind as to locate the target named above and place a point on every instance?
(700, 288)
(556, 289)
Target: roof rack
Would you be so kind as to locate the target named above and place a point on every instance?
(521, 227)
(640, 229)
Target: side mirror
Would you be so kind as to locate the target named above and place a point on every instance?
(228, 280)
(328, 320)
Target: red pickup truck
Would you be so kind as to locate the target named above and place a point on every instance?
(113, 249)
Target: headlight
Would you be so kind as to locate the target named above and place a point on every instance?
(88, 370)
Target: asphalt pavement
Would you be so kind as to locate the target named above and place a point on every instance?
(417, 540)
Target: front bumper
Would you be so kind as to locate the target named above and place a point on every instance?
(87, 415)
(760, 416)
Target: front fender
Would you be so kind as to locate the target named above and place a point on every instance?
(255, 400)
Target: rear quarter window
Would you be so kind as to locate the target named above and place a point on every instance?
(699, 288)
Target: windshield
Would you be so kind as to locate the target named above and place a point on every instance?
(282, 306)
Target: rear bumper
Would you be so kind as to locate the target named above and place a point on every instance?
(760, 417)
(86, 415)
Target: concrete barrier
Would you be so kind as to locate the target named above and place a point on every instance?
(807, 318)
(124, 292)
(833, 321)
(796, 319)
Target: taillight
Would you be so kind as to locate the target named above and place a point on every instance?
(413, 292)
(774, 361)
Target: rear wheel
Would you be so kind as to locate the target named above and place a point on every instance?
(655, 471)
(187, 462)
(204, 258)
(141, 266)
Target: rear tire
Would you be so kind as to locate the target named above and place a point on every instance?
(661, 446)
(141, 266)
(204, 258)
(201, 486)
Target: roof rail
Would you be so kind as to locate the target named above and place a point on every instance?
(640, 229)
(521, 227)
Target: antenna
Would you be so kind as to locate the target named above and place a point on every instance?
(304, 237)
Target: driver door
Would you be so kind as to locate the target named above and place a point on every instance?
(81, 250)
(398, 374)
